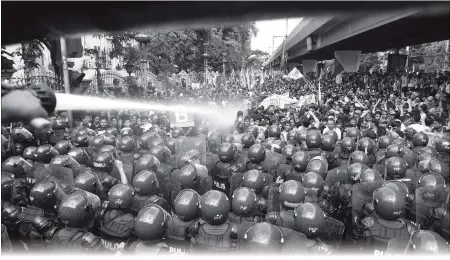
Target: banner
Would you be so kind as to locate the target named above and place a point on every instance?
(396, 62)
(306, 100)
(195, 85)
(309, 65)
(277, 101)
(295, 74)
(180, 119)
(349, 60)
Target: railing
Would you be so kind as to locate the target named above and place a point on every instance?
(53, 82)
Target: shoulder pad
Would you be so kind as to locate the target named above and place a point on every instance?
(368, 222)
(91, 241)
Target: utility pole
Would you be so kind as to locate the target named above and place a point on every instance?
(62, 41)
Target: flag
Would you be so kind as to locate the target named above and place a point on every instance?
(295, 74)
(338, 68)
(247, 77)
(320, 94)
(232, 74)
(262, 77)
(242, 78)
(252, 78)
(321, 73)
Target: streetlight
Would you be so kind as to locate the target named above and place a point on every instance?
(143, 39)
(129, 68)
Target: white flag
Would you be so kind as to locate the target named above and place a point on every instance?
(295, 74)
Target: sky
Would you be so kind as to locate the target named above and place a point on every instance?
(269, 28)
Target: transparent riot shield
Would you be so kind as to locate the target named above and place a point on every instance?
(396, 246)
(381, 169)
(334, 179)
(273, 202)
(237, 138)
(362, 194)
(62, 175)
(211, 160)
(6, 242)
(332, 232)
(206, 184)
(426, 199)
(175, 186)
(242, 229)
(271, 162)
(236, 181)
(294, 241)
(410, 157)
(186, 144)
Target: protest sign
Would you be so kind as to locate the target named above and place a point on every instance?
(180, 119)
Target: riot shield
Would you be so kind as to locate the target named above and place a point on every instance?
(294, 241)
(362, 194)
(175, 186)
(62, 175)
(413, 174)
(242, 229)
(211, 160)
(236, 181)
(410, 157)
(271, 163)
(6, 242)
(381, 169)
(198, 143)
(336, 175)
(332, 232)
(334, 178)
(237, 138)
(396, 246)
(206, 184)
(128, 168)
(426, 199)
(273, 202)
(268, 181)
(172, 161)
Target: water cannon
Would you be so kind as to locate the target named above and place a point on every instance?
(45, 94)
(28, 112)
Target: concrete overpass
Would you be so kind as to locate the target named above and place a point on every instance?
(316, 38)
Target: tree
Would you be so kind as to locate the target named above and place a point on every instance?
(184, 48)
(370, 60)
(431, 53)
(29, 52)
